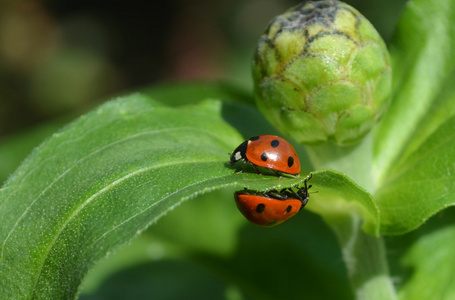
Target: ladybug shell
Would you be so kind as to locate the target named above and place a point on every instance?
(273, 152)
(266, 211)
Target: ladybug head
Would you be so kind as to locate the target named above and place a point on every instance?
(303, 192)
(239, 153)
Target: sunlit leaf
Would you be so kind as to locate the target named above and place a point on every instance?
(421, 184)
(338, 197)
(101, 180)
(423, 65)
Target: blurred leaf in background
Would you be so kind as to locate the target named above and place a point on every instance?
(58, 57)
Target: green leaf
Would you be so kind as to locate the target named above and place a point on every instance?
(442, 109)
(406, 266)
(217, 240)
(339, 197)
(295, 264)
(286, 260)
(421, 184)
(179, 235)
(103, 179)
(14, 148)
(423, 65)
(431, 254)
(164, 279)
(223, 242)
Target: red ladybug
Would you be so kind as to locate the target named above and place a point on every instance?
(270, 152)
(271, 208)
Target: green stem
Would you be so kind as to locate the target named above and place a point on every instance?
(365, 260)
(363, 254)
(354, 161)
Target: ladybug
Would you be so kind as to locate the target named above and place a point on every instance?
(270, 152)
(273, 207)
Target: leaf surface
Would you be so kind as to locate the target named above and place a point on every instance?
(431, 254)
(423, 65)
(106, 177)
(100, 181)
(421, 184)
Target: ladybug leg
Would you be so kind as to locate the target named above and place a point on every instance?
(276, 172)
(293, 193)
(272, 193)
(256, 169)
(243, 167)
(275, 194)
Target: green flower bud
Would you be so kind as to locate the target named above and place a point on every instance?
(322, 72)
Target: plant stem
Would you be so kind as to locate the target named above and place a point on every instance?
(364, 256)
(354, 161)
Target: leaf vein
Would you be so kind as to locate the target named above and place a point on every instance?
(90, 199)
(59, 177)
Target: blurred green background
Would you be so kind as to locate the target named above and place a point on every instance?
(59, 59)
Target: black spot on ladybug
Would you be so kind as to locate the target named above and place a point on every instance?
(254, 138)
(288, 209)
(290, 161)
(264, 156)
(275, 143)
(260, 208)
